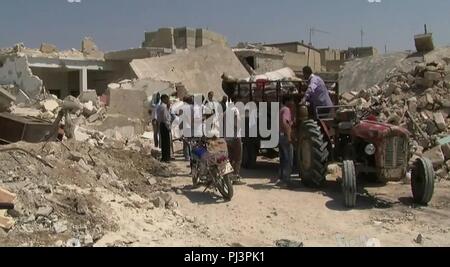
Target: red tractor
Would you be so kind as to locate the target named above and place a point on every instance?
(357, 142)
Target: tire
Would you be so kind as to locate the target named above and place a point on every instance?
(225, 187)
(312, 154)
(422, 181)
(249, 155)
(349, 183)
(195, 174)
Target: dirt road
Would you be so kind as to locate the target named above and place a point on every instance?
(261, 213)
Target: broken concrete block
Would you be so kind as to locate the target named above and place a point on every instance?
(424, 42)
(424, 83)
(113, 86)
(412, 105)
(75, 156)
(349, 96)
(432, 76)
(44, 211)
(436, 156)
(89, 109)
(49, 105)
(6, 223)
(440, 121)
(446, 151)
(88, 47)
(89, 95)
(6, 100)
(430, 99)
(48, 48)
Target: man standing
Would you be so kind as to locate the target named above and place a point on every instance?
(154, 114)
(212, 109)
(317, 94)
(164, 120)
(234, 142)
(285, 145)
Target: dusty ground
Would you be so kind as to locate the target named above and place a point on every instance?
(261, 213)
(121, 212)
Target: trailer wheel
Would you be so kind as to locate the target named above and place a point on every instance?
(312, 154)
(349, 183)
(422, 181)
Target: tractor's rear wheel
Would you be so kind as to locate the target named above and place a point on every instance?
(349, 183)
(422, 181)
(312, 154)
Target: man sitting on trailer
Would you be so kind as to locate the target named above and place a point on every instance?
(317, 94)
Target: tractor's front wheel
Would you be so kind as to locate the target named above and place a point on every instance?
(422, 181)
(349, 183)
(312, 154)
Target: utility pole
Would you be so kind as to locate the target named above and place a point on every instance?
(362, 37)
(313, 30)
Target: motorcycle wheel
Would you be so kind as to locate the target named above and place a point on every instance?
(225, 187)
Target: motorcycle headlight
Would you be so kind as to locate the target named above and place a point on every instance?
(370, 149)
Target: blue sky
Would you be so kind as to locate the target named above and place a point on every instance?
(120, 24)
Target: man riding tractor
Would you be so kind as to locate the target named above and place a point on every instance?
(361, 145)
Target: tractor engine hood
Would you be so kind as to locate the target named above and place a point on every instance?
(373, 131)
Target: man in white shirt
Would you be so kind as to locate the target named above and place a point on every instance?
(232, 116)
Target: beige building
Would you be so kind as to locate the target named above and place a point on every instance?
(299, 55)
(332, 59)
(181, 38)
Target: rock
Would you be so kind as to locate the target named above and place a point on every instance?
(190, 219)
(436, 156)
(442, 173)
(166, 197)
(60, 227)
(430, 99)
(44, 211)
(81, 135)
(349, 96)
(83, 166)
(59, 243)
(419, 239)
(432, 76)
(446, 150)
(49, 105)
(423, 83)
(48, 48)
(82, 207)
(159, 202)
(113, 86)
(89, 109)
(93, 118)
(73, 243)
(75, 156)
(89, 48)
(112, 173)
(412, 105)
(89, 96)
(88, 240)
(152, 181)
(440, 121)
(431, 128)
(284, 243)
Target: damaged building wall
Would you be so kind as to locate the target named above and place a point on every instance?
(15, 70)
(200, 70)
(56, 81)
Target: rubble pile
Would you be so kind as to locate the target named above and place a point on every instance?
(60, 189)
(418, 100)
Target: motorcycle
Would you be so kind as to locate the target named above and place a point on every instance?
(211, 167)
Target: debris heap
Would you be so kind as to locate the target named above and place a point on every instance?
(418, 100)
